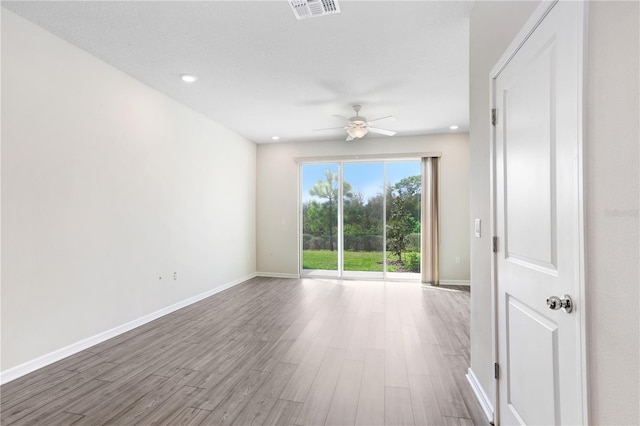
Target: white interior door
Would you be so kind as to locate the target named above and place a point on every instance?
(537, 96)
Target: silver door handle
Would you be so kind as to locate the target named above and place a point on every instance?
(555, 303)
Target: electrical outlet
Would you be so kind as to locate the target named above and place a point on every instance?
(175, 276)
(458, 259)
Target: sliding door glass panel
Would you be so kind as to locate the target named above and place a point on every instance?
(320, 197)
(403, 194)
(363, 220)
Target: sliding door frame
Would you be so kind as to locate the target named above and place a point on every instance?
(340, 161)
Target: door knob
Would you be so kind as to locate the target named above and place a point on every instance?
(555, 303)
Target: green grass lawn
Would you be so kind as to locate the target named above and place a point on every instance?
(320, 259)
(353, 260)
(369, 261)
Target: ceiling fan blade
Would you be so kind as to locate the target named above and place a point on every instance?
(349, 138)
(330, 128)
(383, 118)
(381, 131)
(342, 117)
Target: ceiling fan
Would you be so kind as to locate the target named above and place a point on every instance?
(358, 126)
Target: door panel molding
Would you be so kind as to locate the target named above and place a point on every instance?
(530, 365)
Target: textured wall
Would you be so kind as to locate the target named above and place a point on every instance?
(106, 186)
(612, 218)
(493, 26)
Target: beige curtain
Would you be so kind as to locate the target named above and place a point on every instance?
(430, 239)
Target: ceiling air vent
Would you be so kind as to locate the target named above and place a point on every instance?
(304, 9)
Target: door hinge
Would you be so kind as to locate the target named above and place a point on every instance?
(494, 116)
(495, 244)
(496, 371)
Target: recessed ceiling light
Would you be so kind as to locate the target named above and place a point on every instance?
(454, 127)
(275, 138)
(188, 78)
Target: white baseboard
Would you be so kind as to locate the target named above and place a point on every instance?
(455, 282)
(47, 359)
(276, 275)
(481, 395)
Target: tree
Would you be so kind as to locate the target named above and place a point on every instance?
(399, 226)
(409, 188)
(403, 200)
(326, 214)
(352, 211)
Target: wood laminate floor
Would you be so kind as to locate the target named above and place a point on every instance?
(271, 352)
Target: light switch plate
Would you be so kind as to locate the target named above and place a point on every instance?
(477, 228)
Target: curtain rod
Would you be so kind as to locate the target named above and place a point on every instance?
(367, 157)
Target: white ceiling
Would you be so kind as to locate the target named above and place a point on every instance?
(262, 73)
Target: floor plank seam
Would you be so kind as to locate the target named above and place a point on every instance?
(231, 350)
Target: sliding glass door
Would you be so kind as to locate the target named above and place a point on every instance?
(320, 204)
(403, 215)
(361, 219)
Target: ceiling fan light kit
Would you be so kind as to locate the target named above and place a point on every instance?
(358, 126)
(357, 132)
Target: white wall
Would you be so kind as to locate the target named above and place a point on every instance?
(612, 204)
(611, 194)
(278, 194)
(492, 27)
(107, 185)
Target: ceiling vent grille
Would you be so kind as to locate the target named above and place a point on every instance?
(304, 9)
